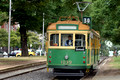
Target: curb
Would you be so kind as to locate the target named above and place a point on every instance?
(22, 67)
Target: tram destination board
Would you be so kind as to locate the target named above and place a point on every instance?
(79, 48)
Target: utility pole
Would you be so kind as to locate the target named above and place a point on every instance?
(9, 26)
(43, 36)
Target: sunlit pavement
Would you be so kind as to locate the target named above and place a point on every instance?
(106, 73)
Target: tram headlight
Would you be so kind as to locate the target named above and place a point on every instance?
(66, 57)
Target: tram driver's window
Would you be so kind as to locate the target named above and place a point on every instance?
(66, 39)
(54, 40)
(80, 40)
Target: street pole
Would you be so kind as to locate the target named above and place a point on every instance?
(9, 26)
(43, 35)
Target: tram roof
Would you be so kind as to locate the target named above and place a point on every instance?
(79, 23)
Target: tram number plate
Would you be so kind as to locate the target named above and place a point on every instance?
(66, 62)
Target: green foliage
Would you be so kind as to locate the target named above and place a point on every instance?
(3, 38)
(4, 6)
(15, 39)
(33, 39)
(115, 62)
(104, 49)
(29, 13)
(105, 18)
(3, 17)
(58, 8)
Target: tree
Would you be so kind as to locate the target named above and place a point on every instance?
(4, 6)
(15, 39)
(29, 14)
(3, 38)
(3, 17)
(33, 39)
(105, 18)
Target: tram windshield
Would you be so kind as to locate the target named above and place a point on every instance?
(66, 39)
(54, 40)
(80, 42)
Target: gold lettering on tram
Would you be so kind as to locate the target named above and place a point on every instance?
(66, 62)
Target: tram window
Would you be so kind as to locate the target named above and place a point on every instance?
(80, 40)
(88, 39)
(66, 39)
(54, 40)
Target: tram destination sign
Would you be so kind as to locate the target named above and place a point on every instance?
(79, 48)
(67, 27)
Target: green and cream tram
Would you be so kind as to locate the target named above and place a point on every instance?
(72, 47)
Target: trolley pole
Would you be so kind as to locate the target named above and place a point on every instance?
(43, 35)
(9, 26)
(80, 9)
(81, 15)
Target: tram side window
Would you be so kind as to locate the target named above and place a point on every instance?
(88, 40)
(54, 40)
(66, 39)
(80, 40)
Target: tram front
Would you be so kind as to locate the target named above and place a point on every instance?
(67, 47)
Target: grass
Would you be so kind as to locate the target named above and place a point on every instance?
(15, 61)
(25, 58)
(115, 63)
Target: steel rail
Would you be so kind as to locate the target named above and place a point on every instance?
(88, 74)
(21, 73)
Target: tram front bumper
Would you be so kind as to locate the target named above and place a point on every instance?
(69, 67)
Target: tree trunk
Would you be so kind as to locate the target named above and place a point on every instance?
(24, 41)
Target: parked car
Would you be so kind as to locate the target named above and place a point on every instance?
(13, 53)
(38, 52)
(5, 53)
(118, 52)
(31, 53)
(1, 54)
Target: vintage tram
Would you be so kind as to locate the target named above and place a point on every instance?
(72, 47)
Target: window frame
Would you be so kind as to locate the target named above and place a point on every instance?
(64, 32)
(84, 36)
(50, 39)
(72, 39)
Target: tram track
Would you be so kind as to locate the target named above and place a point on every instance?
(89, 75)
(42, 67)
(22, 71)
